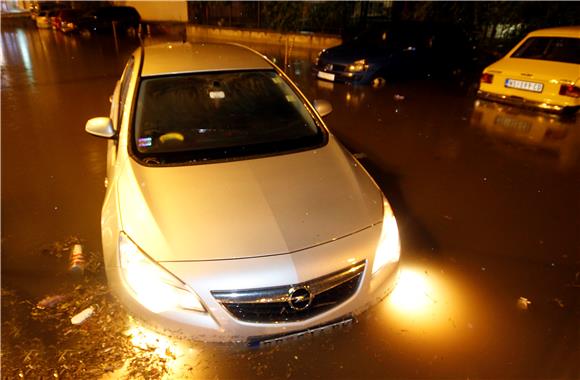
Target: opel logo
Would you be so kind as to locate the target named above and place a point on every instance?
(299, 298)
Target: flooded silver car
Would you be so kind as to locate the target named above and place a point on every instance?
(231, 212)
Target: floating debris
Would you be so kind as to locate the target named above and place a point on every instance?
(523, 303)
(81, 317)
(77, 260)
(60, 249)
(51, 301)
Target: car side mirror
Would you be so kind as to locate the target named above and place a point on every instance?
(323, 107)
(100, 127)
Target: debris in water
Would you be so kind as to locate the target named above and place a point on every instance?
(51, 301)
(82, 316)
(398, 97)
(523, 303)
(77, 259)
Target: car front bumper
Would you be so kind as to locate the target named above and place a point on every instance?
(343, 77)
(219, 324)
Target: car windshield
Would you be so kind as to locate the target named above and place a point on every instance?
(223, 115)
(559, 49)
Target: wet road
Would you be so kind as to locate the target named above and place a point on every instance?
(487, 200)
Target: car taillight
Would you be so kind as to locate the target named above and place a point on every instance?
(486, 78)
(570, 90)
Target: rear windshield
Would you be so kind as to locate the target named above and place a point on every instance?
(226, 115)
(559, 49)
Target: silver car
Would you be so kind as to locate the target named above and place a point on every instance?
(231, 212)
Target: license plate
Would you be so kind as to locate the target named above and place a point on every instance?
(327, 76)
(310, 331)
(524, 85)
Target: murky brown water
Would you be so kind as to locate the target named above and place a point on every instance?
(486, 197)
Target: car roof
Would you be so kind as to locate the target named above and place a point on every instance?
(563, 31)
(179, 57)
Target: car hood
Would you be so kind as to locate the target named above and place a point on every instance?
(247, 208)
(352, 51)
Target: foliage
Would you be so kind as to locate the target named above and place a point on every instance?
(284, 16)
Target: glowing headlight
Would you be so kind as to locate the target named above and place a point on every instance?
(154, 287)
(358, 66)
(389, 248)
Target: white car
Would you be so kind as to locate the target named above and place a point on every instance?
(231, 212)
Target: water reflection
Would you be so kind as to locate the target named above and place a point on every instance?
(427, 300)
(413, 294)
(37, 57)
(15, 52)
(23, 47)
(549, 133)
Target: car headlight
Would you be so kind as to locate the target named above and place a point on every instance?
(151, 285)
(389, 247)
(358, 66)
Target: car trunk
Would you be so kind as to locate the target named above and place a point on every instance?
(529, 75)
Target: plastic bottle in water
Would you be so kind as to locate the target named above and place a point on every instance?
(77, 260)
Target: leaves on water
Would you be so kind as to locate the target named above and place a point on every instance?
(39, 341)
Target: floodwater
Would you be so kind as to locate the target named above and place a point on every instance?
(486, 196)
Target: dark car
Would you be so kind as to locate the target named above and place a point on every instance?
(391, 52)
(45, 6)
(66, 19)
(124, 19)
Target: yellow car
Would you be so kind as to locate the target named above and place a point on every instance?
(542, 71)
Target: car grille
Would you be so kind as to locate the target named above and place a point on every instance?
(327, 66)
(292, 302)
